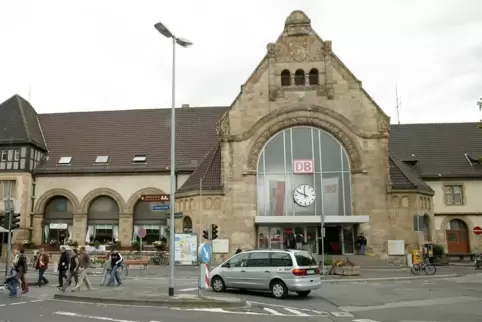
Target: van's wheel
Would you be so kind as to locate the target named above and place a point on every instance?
(278, 289)
(303, 293)
(217, 284)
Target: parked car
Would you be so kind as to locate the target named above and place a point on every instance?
(277, 271)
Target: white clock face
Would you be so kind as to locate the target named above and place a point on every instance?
(304, 195)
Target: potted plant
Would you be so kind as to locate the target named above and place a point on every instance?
(136, 245)
(160, 245)
(439, 258)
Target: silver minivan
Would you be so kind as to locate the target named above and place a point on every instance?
(279, 271)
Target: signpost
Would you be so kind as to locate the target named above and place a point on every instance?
(204, 256)
(477, 230)
(156, 198)
(141, 233)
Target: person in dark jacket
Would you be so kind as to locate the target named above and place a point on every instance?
(63, 266)
(21, 267)
(238, 250)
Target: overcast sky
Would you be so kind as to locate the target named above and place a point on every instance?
(106, 55)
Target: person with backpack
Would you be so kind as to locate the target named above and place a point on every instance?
(42, 265)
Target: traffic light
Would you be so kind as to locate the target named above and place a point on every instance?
(214, 231)
(4, 221)
(206, 234)
(15, 221)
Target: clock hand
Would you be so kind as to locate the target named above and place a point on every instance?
(301, 193)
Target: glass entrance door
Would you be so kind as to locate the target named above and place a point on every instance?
(348, 240)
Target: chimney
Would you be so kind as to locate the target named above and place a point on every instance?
(185, 106)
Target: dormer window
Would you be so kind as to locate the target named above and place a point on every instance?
(285, 78)
(300, 77)
(139, 158)
(65, 160)
(102, 159)
(314, 77)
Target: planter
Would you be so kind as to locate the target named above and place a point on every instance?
(350, 270)
(440, 261)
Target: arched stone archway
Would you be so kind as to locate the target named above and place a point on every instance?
(312, 119)
(187, 224)
(103, 220)
(84, 206)
(457, 231)
(131, 203)
(145, 216)
(45, 198)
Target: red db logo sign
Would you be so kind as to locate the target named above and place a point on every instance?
(303, 166)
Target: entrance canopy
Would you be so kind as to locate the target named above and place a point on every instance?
(311, 219)
(3, 230)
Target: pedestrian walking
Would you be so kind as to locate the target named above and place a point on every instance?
(115, 264)
(11, 282)
(42, 265)
(84, 263)
(107, 273)
(62, 267)
(21, 267)
(73, 270)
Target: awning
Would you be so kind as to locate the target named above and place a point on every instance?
(311, 219)
(3, 230)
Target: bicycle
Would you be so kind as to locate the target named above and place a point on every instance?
(159, 259)
(335, 271)
(123, 271)
(427, 267)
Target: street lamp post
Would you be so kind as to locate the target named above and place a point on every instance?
(184, 43)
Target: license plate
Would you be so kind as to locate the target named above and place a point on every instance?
(310, 271)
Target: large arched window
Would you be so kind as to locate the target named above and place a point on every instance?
(277, 177)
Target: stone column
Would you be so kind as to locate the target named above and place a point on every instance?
(126, 222)
(37, 229)
(79, 228)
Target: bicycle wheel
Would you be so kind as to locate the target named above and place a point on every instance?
(415, 269)
(336, 272)
(164, 261)
(429, 269)
(124, 271)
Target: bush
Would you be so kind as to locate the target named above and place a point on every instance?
(438, 250)
(136, 245)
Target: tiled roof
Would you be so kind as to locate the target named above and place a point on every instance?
(403, 177)
(209, 171)
(19, 123)
(438, 150)
(123, 134)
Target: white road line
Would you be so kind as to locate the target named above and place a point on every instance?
(217, 310)
(17, 303)
(33, 301)
(364, 320)
(188, 289)
(3, 305)
(92, 317)
(296, 312)
(274, 312)
(342, 315)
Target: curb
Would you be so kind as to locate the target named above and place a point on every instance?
(203, 302)
(341, 280)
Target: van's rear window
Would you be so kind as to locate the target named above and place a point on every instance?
(305, 259)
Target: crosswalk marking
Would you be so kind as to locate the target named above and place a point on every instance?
(296, 312)
(274, 312)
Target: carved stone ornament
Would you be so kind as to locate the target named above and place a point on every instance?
(298, 47)
(330, 93)
(297, 17)
(271, 50)
(222, 125)
(353, 153)
(383, 125)
(327, 46)
(286, 111)
(273, 92)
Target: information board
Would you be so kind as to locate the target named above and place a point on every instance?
(185, 250)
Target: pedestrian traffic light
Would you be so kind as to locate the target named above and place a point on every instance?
(214, 231)
(15, 221)
(206, 234)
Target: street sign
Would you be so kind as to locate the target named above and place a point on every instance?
(205, 253)
(141, 233)
(154, 198)
(160, 207)
(477, 230)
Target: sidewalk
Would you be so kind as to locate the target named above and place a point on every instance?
(132, 294)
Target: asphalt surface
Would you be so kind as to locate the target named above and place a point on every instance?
(421, 300)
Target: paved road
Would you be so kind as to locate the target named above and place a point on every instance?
(423, 300)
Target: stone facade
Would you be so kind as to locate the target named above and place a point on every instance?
(336, 104)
